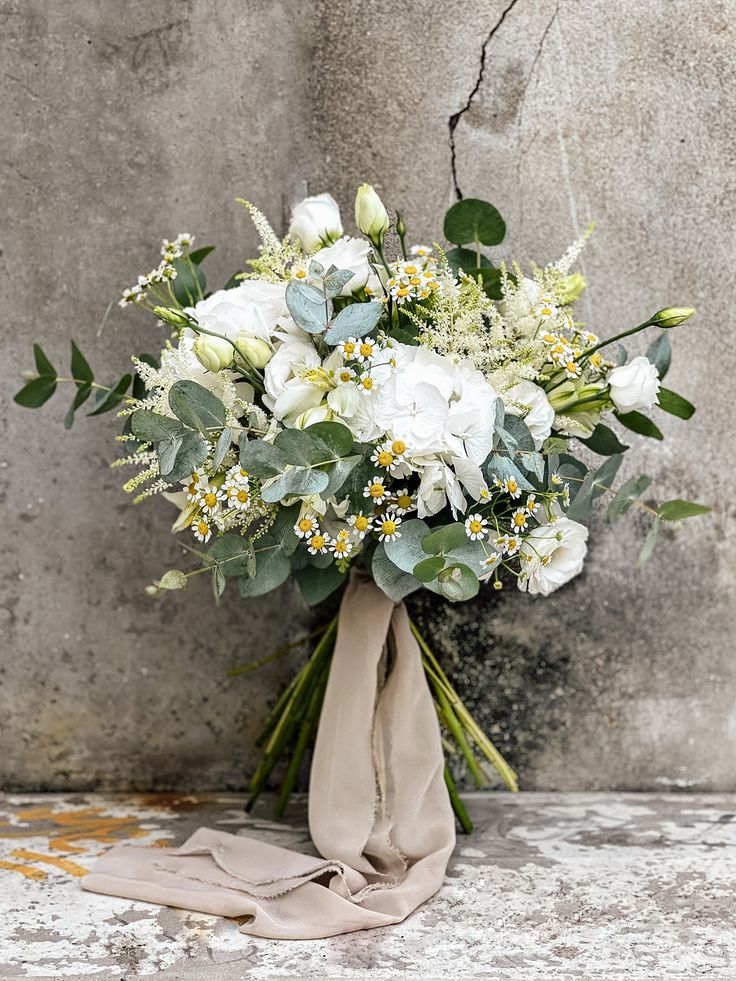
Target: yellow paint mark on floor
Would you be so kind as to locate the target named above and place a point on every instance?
(64, 828)
(65, 864)
(27, 870)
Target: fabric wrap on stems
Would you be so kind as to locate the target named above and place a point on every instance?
(379, 811)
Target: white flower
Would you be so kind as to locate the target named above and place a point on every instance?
(210, 499)
(532, 504)
(288, 392)
(349, 349)
(537, 413)
(360, 524)
(475, 527)
(387, 526)
(348, 253)
(519, 520)
(237, 496)
(402, 501)
(306, 526)
(195, 484)
(634, 386)
(508, 544)
(317, 544)
(315, 220)
(371, 216)
(341, 547)
(552, 554)
(236, 475)
(383, 457)
(367, 350)
(251, 309)
(375, 489)
(202, 530)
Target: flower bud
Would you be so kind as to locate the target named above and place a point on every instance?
(672, 316)
(256, 351)
(400, 226)
(370, 215)
(570, 288)
(213, 353)
(173, 579)
(172, 317)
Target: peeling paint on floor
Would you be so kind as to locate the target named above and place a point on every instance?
(570, 886)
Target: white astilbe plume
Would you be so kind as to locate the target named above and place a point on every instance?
(568, 260)
(276, 257)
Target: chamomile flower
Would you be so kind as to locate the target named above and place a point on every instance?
(475, 527)
(202, 530)
(546, 309)
(349, 349)
(383, 457)
(387, 526)
(532, 504)
(566, 495)
(345, 375)
(238, 497)
(398, 448)
(365, 384)
(237, 475)
(211, 498)
(421, 251)
(195, 484)
(341, 547)
(367, 350)
(508, 544)
(306, 526)
(317, 544)
(510, 485)
(402, 501)
(519, 520)
(376, 490)
(360, 524)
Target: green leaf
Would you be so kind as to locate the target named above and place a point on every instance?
(649, 543)
(332, 437)
(660, 354)
(428, 569)
(43, 365)
(395, 582)
(188, 277)
(113, 398)
(503, 468)
(407, 551)
(472, 220)
(297, 482)
(219, 582)
(224, 443)
(282, 530)
(317, 584)
(356, 481)
(627, 493)
(299, 449)
(36, 392)
(533, 463)
(339, 473)
(604, 441)
(445, 539)
(515, 427)
(81, 396)
(309, 315)
(335, 281)
(640, 424)
(678, 510)
(262, 459)
(151, 427)
(354, 320)
(183, 457)
(675, 404)
(467, 260)
(199, 254)
(492, 282)
(606, 474)
(272, 568)
(458, 583)
(80, 366)
(196, 406)
(235, 555)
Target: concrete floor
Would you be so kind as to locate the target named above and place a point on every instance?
(584, 886)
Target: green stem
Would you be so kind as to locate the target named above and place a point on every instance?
(450, 720)
(616, 337)
(457, 805)
(275, 655)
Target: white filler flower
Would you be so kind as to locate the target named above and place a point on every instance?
(316, 221)
(634, 386)
(551, 555)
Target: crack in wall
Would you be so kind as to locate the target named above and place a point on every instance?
(457, 116)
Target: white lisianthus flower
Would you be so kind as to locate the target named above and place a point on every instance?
(539, 416)
(288, 394)
(635, 385)
(371, 216)
(249, 310)
(348, 253)
(551, 555)
(315, 220)
(213, 353)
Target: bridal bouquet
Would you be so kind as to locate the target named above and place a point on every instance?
(428, 415)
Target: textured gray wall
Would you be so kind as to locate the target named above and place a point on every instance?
(124, 123)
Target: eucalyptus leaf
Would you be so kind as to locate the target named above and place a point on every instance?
(660, 354)
(80, 368)
(223, 444)
(191, 453)
(310, 315)
(317, 584)
(43, 365)
(339, 473)
(519, 431)
(445, 539)
(407, 551)
(234, 554)
(272, 569)
(297, 482)
(395, 582)
(151, 427)
(36, 392)
(332, 437)
(533, 463)
(649, 542)
(114, 397)
(354, 320)
(503, 468)
(467, 260)
(190, 283)
(473, 220)
(81, 396)
(262, 459)
(429, 568)
(336, 280)
(197, 255)
(299, 449)
(458, 583)
(627, 493)
(196, 406)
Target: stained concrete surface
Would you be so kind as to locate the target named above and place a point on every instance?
(570, 886)
(124, 123)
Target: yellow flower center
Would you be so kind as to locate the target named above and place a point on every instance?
(398, 447)
(377, 490)
(511, 485)
(345, 376)
(305, 524)
(195, 478)
(340, 547)
(403, 291)
(388, 527)
(348, 348)
(366, 349)
(476, 527)
(415, 281)
(404, 501)
(385, 459)
(242, 497)
(210, 499)
(512, 544)
(519, 520)
(411, 270)
(367, 384)
(317, 541)
(301, 274)
(192, 487)
(202, 527)
(361, 523)
(433, 284)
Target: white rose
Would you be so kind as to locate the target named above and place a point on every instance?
(539, 415)
(315, 220)
(251, 309)
(348, 253)
(551, 555)
(634, 386)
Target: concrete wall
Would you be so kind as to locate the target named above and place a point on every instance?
(124, 123)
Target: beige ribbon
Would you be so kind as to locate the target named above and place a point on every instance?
(379, 811)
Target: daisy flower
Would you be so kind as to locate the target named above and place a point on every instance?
(317, 544)
(383, 457)
(366, 350)
(366, 384)
(340, 548)
(306, 526)
(210, 499)
(202, 530)
(546, 309)
(360, 523)
(510, 486)
(508, 544)
(238, 497)
(532, 504)
(421, 251)
(402, 501)
(475, 527)
(349, 348)
(398, 448)
(376, 490)
(387, 526)
(237, 475)
(519, 520)
(194, 484)
(345, 375)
